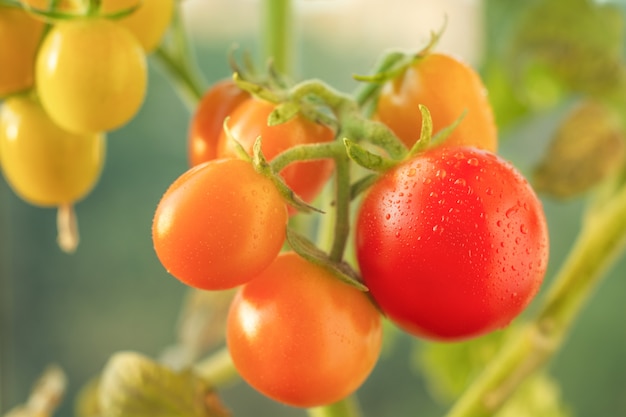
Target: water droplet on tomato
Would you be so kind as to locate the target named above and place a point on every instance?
(435, 227)
(511, 212)
(523, 229)
(473, 162)
(411, 172)
(427, 180)
(387, 216)
(441, 173)
(460, 181)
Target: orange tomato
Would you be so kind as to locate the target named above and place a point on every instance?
(302, 337)
(207, 123)
(447, 87)
(249, 121)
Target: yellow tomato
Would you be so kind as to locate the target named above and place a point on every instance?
(19, 37)
(91, 75)
(44, 164)
(148, 23)
(63, 5)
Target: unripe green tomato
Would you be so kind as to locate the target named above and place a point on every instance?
(44, 164)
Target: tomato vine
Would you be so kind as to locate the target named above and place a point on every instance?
(378, 226)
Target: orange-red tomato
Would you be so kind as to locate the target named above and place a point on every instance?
(249, 121)
(447, 87)
(207, 122)
(219, 224)
(19, 37)
(302, 337)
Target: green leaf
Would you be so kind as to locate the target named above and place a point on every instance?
(588, 147)
(133, 385)
(579, 42)
(87, 402)
(449, 368)
(306, 249)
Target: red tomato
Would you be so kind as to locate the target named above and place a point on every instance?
(219, 224)
(208, 120)
(302, 337)
(452, 244)
(447, 87)
(249, 121)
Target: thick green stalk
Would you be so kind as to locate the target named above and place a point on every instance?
(179, 61)
(342, 207)
(218, 368)
(278, 35)
(348, 407)
(599, 243)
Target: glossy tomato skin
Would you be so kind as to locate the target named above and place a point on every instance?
(302, 337)
(249, 121)
(219, 224)
(19, 37)
(207, 122)
(88, 89)
(447, 87)
(147, 23)
(452, 243)
(44, 164)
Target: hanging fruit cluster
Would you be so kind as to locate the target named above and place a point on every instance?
(70, 71)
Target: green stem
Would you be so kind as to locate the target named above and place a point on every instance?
(218, 368)
(354, 125)
(307, 152)
(342, 209)
(278, 34)
(599, 243)
(179, 61)
(187, 85)
(348, 407)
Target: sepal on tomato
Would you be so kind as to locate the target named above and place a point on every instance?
(263, 167)
(306, 249)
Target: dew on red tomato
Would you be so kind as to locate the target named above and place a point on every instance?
(473, 162)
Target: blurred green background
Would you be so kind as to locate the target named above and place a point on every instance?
(76, 310)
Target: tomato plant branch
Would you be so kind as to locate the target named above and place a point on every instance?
(600, 241)
(342, 207)
(354, 124)
(348, 407)
(277, 31)
(179, 61)
(307, 152)
(218, 368)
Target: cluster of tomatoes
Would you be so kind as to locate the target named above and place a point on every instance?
(69, 73)
(450, 239)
